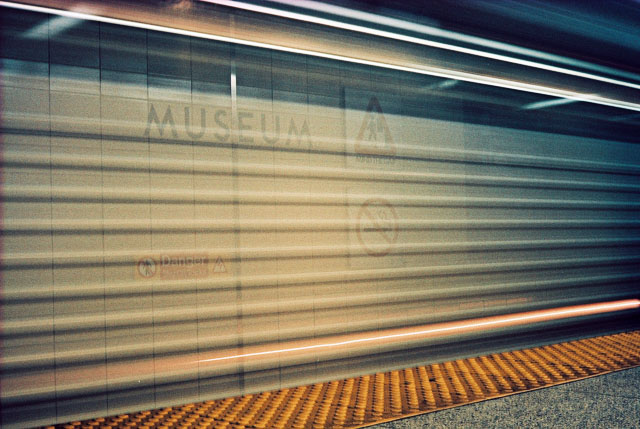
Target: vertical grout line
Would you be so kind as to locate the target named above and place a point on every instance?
(346, 210)
(345, 164)
(153, 330)
(104, 268)
(272, 152)
(2, 199)
(53, 300)
(195, 233)
(237, 271)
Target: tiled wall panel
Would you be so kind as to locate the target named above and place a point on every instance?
(166, 234)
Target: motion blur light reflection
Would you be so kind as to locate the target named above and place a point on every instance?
(459, 37)
(422, 69)
(449, 328)
(548, 103)
(431, 31)
(50, 28)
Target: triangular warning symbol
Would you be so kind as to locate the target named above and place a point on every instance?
(219, 266)
(374, 137)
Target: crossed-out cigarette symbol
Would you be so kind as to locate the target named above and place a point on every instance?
(377, 226)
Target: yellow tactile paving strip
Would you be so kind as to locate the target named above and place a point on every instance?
(371, 399)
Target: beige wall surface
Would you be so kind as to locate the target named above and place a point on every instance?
(170, 237)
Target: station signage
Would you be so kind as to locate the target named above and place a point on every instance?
(175, 266)
(195, 123)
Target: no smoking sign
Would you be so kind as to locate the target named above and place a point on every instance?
(377, 226)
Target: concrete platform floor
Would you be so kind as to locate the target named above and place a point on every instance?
(607, 401)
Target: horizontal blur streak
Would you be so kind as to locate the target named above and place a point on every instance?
(505, 8)
(451, 328)
(52, 28)
(85, 379)
(425, 30)
(382, 63)
(169, 237)
(549, 103)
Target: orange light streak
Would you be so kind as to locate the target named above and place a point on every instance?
(91, 376)
(450, 328)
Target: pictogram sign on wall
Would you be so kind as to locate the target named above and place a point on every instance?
(374, 137)
(377, 226)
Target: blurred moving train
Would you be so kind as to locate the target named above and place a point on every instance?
(206, 199)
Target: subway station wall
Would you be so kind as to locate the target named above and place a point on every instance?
(169, 203)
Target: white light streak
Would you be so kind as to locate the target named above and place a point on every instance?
(50, 28)
(548, 103)
(457, 327)
(414, 40)
(438, 32)
(423, 69)
(445, 84)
